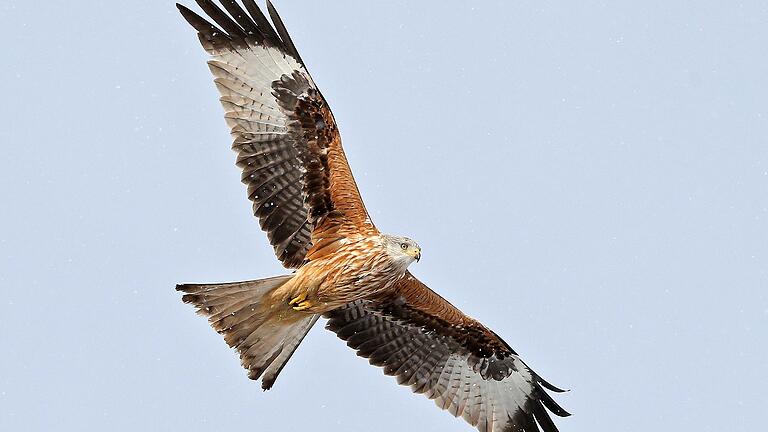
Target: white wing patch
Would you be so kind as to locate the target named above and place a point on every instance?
(244, 79)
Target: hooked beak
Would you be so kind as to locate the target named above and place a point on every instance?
(418, 255)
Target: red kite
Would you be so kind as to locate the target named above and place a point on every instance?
(346, 270)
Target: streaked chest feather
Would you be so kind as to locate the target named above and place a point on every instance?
(355, 270)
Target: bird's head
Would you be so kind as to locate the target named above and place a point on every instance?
(402, 249)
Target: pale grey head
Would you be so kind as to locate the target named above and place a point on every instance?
(402, 249)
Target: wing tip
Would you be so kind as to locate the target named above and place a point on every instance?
(544, 383)
(546, 399)
(271, 8)
(241, 25)
(188, 13)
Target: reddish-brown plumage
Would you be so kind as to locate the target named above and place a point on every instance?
(348, 269)
(306, 199)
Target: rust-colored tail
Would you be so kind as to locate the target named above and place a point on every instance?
(261, 333)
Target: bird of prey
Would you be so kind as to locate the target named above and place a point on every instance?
(289, 150)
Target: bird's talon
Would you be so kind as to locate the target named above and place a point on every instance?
(300, 302)
(302, 306)
(298, 299)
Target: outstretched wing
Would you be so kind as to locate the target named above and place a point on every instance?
(430, 345)
(285, 136)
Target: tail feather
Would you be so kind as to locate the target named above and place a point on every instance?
(264, 338)
(288, 349)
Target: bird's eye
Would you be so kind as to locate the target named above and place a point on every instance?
(404, 246)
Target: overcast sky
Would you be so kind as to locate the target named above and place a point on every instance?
(589, 179)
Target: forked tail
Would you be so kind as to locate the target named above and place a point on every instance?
(262, 335)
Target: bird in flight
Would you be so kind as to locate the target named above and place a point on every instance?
(344, 269)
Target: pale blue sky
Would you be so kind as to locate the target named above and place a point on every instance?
(589, 179)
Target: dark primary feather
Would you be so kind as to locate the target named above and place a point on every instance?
(261, 22)
(429, 345)
(241, 17)
(222, 19)
(280, 27)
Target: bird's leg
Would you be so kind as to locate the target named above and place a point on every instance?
(300, 302)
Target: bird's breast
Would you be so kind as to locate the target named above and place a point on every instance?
(354, 271)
